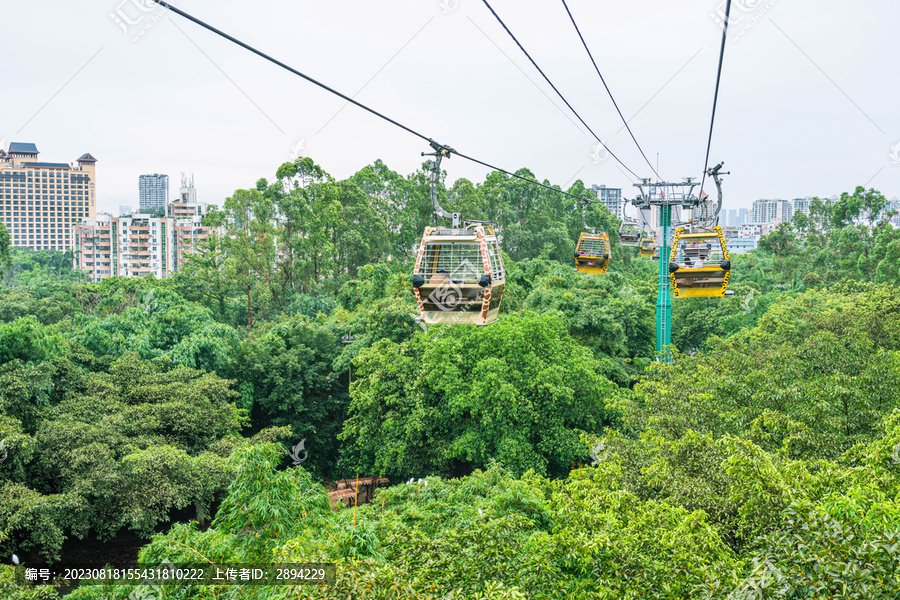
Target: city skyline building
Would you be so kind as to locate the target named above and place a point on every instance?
(611, 197)
(801, 205)
(186, 205)
(773, 211)
(135, 246)
(187, 192)
(40, 201)
(731, 219)
(153, 191)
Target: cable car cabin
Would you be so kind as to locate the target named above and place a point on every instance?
(459, 276)
(592, 253)
(648, 248)
(629, 233)
(699, 265)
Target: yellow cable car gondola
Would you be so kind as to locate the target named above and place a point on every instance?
(459, 275)
(593, 250)
(648, 247)
(699, 264)
(592, 253)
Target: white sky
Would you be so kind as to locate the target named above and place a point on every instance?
(808, 103)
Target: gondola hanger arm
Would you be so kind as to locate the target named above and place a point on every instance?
(716, 173)
(440, 151)
(583, 219)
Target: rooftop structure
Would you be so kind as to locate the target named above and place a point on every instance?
(41, 201)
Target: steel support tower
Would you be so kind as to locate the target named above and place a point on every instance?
(665, 196)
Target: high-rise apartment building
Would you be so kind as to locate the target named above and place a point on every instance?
(772, 211)
(743, 216)
(154, 191)
(40, 201)
(135, 246)
(760, 213)
(801, 205)
(612, 198)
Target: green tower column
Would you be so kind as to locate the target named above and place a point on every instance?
(664, 297)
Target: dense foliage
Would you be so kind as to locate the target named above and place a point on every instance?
(521, 392)
(551, 456)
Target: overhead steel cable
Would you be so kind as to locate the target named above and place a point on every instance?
(354, 102)
(558, 93)
(596, 68)
(712, 119)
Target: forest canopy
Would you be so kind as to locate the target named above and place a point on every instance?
(548, 455)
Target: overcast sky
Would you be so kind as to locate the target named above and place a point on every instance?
(808, 102)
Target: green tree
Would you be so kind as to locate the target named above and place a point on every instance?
(286, 378)
(249, 247)
(844, 546)
(203, 277)
(783, 244)
(27, 340)
(115, 450)
(520, 391)
(605, 314)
